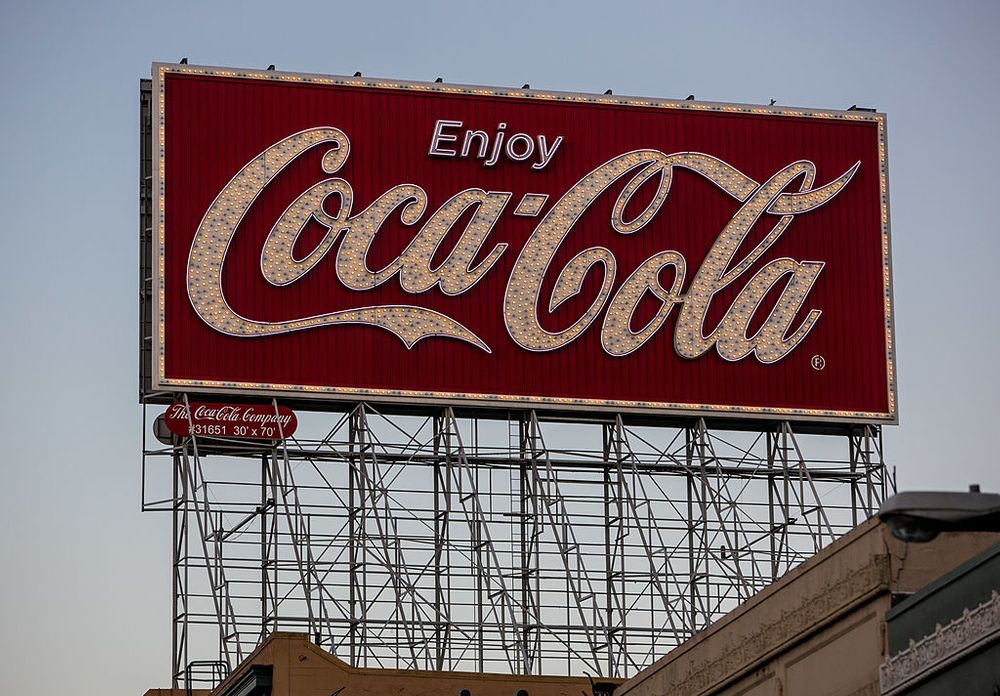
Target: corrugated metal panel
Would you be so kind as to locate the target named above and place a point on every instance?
(215, 124)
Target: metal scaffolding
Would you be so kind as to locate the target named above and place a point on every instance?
(511, 544)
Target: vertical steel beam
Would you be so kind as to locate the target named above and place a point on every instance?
(772, 529)
(855, 457)
(691, 527)
(530, 524)
(180, 555)
(616, 529)
(442, 565)
(357, 600)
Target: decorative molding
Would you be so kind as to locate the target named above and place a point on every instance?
(942, 648)
(768, 639)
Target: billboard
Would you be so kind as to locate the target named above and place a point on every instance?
(324, 237)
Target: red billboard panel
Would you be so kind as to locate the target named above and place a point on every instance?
(347, 238)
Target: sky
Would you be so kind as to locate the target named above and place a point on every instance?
(84, 587)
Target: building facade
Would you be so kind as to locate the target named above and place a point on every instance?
(820, 630)
(946, 638)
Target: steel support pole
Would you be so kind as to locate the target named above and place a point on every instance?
(357, 602)
(179, 570)
(442, 565)
(530, 523)
(615, 532)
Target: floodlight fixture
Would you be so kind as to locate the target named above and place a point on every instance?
(921, 516)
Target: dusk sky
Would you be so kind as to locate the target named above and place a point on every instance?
(86, 581)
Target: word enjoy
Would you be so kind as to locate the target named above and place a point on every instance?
(721, 268)
(520, 146)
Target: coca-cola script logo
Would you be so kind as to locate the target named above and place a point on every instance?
(253, 421)
(719, 269)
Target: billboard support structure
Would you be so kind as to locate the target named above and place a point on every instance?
(527, 505)
(516, 543)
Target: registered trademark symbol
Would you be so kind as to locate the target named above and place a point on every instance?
(818, 362)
